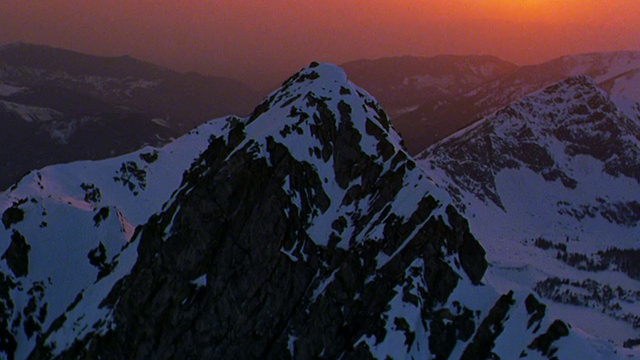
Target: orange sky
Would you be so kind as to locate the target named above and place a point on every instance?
(263, 41)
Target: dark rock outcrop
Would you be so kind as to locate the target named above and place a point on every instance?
(17, 255)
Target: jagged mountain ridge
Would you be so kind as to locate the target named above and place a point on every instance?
(59, 106)
(303, 230)
(554, 178)
(440, 118)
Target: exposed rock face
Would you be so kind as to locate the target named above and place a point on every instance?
(17, 255)
(489, 330)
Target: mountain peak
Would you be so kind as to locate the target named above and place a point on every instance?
(543, 132)
(573, 102)
(317, 109)
(330, 82)
(572, 84)
(317, 70)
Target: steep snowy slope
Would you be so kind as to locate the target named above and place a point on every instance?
(550, 185)
(64, 226)
(437, 119)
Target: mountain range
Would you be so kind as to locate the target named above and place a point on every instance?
(439, 103)
(303, 230)
(58, 106)
(306, 229)
(403, 84)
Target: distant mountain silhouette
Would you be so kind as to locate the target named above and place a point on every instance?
(58, 105)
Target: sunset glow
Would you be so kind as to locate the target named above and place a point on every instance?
(243, 38)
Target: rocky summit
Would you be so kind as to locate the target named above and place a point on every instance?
(301, 231)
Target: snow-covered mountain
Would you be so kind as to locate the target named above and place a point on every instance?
(402, 84)
(551, 187)
(65, 225)
(616, 72)
(303, 230)
(59, 106)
